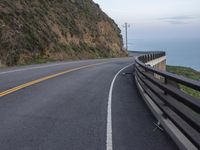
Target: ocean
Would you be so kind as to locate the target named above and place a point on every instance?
(180, 52)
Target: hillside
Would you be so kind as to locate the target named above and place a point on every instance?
(48, 30)
(188, 73)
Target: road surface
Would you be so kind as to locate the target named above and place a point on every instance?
(79, 105)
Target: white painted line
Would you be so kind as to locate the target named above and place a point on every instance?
(109, 145)
(50, 65)
(37, 67)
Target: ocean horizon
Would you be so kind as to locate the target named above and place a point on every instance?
(179, 51)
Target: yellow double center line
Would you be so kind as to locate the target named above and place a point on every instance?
(17, 88)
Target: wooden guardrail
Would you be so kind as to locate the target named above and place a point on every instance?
(176, 111)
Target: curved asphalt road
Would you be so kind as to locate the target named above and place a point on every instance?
(69, 111)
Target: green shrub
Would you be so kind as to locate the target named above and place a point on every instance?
(188, 73)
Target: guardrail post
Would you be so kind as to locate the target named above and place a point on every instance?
(165, 81)
(180, 109)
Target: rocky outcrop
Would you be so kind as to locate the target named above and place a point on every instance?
(43, 30)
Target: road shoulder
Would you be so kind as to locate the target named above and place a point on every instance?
(133, 126)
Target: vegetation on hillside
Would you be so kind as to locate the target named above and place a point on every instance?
(189, 73)
(41, 30)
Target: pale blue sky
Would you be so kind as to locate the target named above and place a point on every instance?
(156, 18)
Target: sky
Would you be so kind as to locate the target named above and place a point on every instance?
(155, 18)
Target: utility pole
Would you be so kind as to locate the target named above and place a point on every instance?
(126, 26)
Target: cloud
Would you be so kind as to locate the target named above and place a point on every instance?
(178, 20)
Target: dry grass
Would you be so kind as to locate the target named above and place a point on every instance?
(36, 30)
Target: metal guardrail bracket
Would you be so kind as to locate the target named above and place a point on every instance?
(180, 116)
(158, 126)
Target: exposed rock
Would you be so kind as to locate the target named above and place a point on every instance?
(40, 30)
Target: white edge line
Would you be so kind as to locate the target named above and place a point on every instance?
(37, 67)
(109, 145)
(46, 66)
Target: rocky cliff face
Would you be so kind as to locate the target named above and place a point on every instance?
(40, 30)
